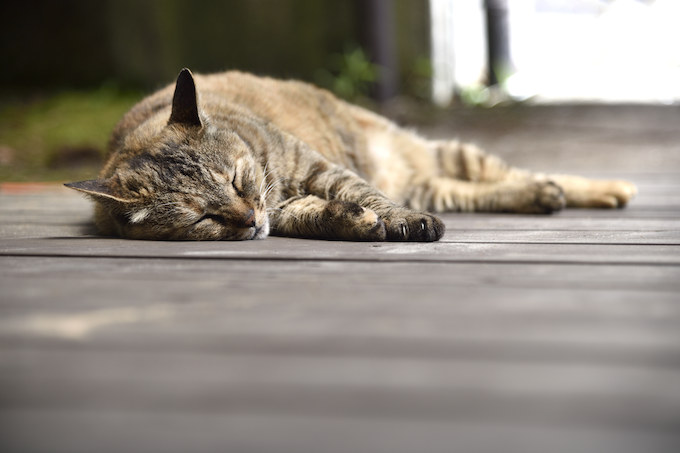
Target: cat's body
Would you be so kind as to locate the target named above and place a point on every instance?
(250, 155)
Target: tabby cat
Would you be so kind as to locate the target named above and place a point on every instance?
(243, 157)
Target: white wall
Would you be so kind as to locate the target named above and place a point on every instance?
(569, 50)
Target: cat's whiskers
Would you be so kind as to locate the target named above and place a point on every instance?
(265, 173)
(271, 187)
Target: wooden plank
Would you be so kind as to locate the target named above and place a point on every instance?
(659, 354)
(565, 221)
(538, 380)
(538, 336)
(297, 249)
(555, 395)
(628, 314)
(607, 324)
(432, 279)
(46, 229)
(665, 237)
(85, 431)
(481, 292)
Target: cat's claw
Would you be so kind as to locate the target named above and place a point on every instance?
(406, 225)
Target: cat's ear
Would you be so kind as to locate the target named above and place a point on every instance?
(184, 102)
(97, 189)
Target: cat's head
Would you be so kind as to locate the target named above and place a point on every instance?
(186, 181)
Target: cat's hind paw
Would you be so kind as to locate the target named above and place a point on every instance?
(593, 193)
(534, 197)
(549, 197)
(612, 194)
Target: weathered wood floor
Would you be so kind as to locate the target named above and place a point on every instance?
(512, 334)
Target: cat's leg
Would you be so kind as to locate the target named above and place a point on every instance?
(468, 162)
(309, 173)
(412, 158)
(315, 218)
(443, 194)
(331, 182)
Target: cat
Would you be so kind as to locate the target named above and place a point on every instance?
(243, 156)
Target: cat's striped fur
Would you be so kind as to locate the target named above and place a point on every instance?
(235, 156)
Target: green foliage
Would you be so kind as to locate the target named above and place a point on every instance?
(475, 95)
(36, 130)
(349, 75)
(418, 78)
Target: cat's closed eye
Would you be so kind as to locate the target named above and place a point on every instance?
(237, 187)
(213, 217)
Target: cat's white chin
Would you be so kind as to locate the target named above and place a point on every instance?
(260, 232)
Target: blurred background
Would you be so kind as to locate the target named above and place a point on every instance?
(72, 67)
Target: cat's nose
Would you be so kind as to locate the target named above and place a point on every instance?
(249, 221)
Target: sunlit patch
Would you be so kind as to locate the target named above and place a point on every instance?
(77, 326)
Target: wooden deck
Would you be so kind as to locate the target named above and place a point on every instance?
(512, 334)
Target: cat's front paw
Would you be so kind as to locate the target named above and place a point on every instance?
(352, 222)
(407, 225)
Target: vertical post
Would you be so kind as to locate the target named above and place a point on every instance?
(498, 46)
(379, 35)
(442, 51)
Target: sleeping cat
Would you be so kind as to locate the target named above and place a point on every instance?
(242, 157)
